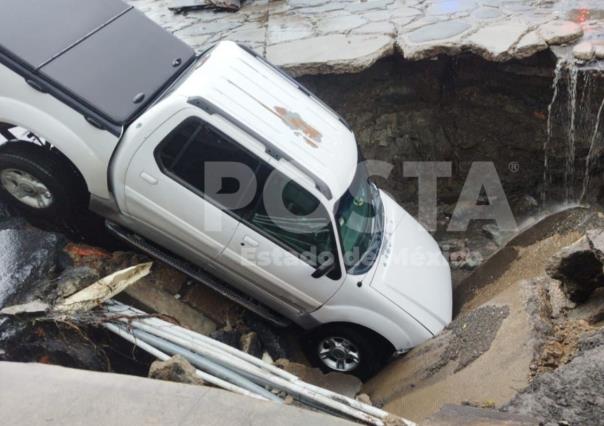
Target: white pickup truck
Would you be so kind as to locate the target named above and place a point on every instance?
(220, 165)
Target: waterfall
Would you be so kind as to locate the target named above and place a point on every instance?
(591, 152)
(555, 86)
(569, 169)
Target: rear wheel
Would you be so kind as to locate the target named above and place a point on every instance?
(347, 349)
(41, 183)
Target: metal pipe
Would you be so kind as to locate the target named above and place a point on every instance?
(264, 378)
(125, 334)
(206, 365)
(186, 333)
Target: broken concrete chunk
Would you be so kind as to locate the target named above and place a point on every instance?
(559, 32)
(175, 369)
(584, 51)
(578, 268)
(364, 398)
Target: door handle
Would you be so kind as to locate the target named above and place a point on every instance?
(249, 241)
(148, 178)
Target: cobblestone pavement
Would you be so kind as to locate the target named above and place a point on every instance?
(334, 36)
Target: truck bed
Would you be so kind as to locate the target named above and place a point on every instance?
(103, 57)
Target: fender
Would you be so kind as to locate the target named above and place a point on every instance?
(403, 336)
(88, 148)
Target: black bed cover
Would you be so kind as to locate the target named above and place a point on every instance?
(102, 54)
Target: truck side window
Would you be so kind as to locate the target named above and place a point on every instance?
(186, 151)
(303, 224)
(304, 228)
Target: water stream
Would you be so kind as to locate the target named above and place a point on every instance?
(571, 119)
(591, 153)
(548, 139)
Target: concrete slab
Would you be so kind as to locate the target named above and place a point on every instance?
(38, 394)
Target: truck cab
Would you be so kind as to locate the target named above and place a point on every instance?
(229, 170)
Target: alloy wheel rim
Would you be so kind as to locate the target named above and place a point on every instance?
(26, 188)
(339, 354)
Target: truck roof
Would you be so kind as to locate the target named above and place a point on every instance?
(103, 57)
(278, 111)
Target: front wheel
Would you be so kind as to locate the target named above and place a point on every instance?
(346, 349)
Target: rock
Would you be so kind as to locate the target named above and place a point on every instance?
(175, 369)
(595, 237)
(75, 279)
(465, 259)
(229, 337)
(250, 343)
(559, 32)
(28, 257)
(574, 393)
(578, 268)
(337, 382)
(584, 51)
(497, 41)
(364, 398)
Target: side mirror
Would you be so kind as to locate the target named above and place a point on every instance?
(324, 268)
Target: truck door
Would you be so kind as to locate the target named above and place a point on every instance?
(283, 237)
(164, 189)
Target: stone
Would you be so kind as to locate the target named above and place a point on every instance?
(573, 393)
(438, 31)
(343, 384)
(578, 268)
(559, 32)
(595, 238)
(529, 44)
(176, 369)
(364, 398)
(250, 343)
(497, 41)
(584, 51)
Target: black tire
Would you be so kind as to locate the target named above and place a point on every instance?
(70, 195)
(372, 349)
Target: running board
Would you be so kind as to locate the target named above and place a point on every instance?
(197, 274)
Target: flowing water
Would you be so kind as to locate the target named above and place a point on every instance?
(550, 116)
(569, 169)
(590, 154)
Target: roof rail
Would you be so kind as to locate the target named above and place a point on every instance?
(270, 147)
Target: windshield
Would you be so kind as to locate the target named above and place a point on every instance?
(359, 216)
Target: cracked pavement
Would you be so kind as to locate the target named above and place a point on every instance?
(337, 36)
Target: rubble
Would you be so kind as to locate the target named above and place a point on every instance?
(175, 369)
